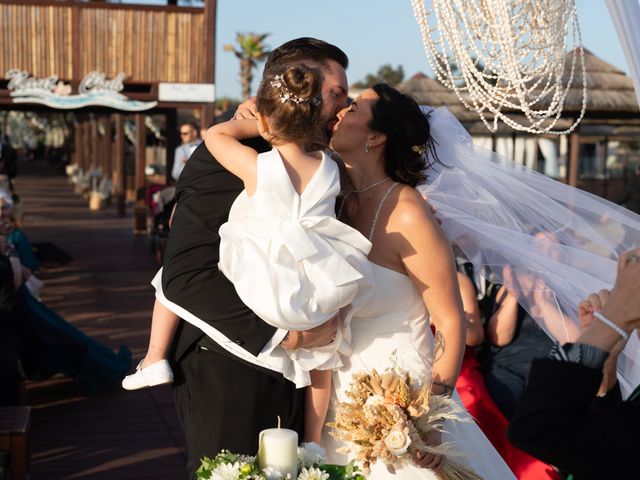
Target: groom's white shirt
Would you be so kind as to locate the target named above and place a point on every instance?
(272, 356)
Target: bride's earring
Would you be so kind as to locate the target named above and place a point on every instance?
(366, 148)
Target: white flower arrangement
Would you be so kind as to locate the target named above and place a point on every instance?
(311, 458)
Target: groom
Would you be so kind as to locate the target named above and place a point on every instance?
(226, 391)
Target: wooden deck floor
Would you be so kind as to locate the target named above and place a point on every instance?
(105, 292)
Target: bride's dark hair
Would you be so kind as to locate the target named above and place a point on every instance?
(399, 117)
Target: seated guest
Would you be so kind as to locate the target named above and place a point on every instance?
(48, 344)
(18, 241)
(477, 400)
(514, 339)
(560, 418)
(9, 345)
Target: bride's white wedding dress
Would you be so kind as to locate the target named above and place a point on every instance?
(396, 320)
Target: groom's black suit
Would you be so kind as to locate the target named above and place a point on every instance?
(222, 401)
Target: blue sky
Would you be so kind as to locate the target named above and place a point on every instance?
(371, 32)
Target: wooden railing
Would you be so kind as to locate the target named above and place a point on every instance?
(69, 39)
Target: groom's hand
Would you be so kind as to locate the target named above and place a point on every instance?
(246, 110)
(316, 337)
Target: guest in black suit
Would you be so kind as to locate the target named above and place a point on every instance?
(224, 401)
(560, 418)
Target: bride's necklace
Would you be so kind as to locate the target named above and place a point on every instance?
(362, 190)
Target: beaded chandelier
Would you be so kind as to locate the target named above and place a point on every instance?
(506, 58)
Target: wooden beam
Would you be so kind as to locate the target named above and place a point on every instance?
(574, 158)
(172, 142)
(105, 5)
(75, 42)
(604, 153)
(77, 143)
(140, 157)
(207, 112)
(107, 167)
(94, 147)
(119, 179)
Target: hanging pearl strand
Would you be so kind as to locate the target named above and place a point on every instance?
(521, 45)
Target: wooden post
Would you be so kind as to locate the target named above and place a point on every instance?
(86, 147)
(119, 180)
(141, 143)
(605, 176)
(172, 141)
(107, 164)
(94, 147)
(82, 150)
(574, 150)
(207, 111)
(77, 143)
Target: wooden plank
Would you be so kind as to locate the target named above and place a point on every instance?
(574, 158)
(119, 179)
(141, 143)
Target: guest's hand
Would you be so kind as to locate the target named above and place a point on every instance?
(430, 460)
(594, 303)
(246, 110)
(623, 306)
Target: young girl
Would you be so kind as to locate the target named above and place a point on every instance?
(288, 257)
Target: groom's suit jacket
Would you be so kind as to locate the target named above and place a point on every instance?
(190, 277)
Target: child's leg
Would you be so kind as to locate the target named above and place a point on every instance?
(163, 327)
(316, 404)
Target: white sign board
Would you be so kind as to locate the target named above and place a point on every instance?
(95, 89)
(186, 92)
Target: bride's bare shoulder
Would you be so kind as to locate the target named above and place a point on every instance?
(412, 209)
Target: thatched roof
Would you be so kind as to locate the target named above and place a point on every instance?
(428, 91)
(608, 88)
(611, 97)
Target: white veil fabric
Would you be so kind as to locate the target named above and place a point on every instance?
(550, 244)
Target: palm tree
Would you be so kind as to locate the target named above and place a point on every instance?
(250, 50)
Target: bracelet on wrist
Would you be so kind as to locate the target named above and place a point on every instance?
(447, 390)
(611, 325)
(299, 339)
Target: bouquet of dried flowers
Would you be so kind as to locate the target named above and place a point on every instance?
(387, 418)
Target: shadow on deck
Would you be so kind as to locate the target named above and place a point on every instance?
(105, 292)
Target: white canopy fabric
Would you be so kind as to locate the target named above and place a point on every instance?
(626, 18)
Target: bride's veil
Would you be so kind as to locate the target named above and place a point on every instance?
(548, 243)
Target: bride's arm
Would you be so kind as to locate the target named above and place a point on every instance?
(428, 259)
(223, 141)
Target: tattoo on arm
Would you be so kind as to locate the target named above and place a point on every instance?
(438, 346)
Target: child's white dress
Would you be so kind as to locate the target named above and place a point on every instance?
(291, 261)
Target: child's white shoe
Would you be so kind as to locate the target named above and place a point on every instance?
(155, 374)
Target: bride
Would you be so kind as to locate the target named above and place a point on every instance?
(381, 138)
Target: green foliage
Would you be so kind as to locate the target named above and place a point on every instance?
(250, 471)
(250, 49)
(386, 74)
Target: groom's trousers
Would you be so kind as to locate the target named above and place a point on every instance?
(224, 403)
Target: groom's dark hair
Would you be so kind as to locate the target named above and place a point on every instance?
(305, 48)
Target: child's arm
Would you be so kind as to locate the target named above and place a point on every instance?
(223, 141)
(317, 399)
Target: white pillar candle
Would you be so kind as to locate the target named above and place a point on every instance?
(278, 448)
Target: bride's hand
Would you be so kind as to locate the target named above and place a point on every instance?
(430, 460)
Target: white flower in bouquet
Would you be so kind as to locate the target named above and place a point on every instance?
(272, 473)
(398, 441)
(313, 474)
(310, 454)
(226, 471)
